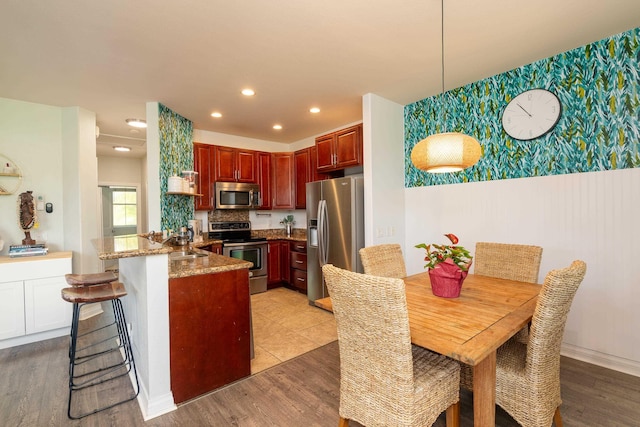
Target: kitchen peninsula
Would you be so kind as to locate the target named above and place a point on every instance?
(162, 289)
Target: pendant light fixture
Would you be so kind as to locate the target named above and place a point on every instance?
(448, 151)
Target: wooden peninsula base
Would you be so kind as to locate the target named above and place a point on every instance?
(209, 332)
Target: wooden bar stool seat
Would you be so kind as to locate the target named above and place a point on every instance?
(106, 352)
(90, 279)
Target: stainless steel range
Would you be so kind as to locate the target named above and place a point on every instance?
(238, 243)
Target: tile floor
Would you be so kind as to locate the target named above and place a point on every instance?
(286, 326)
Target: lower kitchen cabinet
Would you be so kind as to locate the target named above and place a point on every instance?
(210, 332)
(298, 266)
(278, 263)
(216, 249)
(31, 308)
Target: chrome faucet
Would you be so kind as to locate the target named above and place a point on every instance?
(152, 235)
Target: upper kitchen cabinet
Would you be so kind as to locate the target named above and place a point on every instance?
(305, 171)
(234, 165)
(203, 158)
(282, 181)
(340, 149)
(264, 179)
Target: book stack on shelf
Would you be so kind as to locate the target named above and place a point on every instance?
(28, 250)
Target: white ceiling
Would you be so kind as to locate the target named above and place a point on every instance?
(194, 56)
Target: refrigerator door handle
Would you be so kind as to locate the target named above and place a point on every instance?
(323, 235)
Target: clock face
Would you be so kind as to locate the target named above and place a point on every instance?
(531, 114)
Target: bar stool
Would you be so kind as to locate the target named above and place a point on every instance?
(93, 289)
(89, 280)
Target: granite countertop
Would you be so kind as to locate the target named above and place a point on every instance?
(135, 246)
(211, 263)
(298, 234)
(127, 247)
(139, 245)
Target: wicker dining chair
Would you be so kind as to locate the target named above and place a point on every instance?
(384, 260)
(504, 261)
(508, 261)
(384, 379)
(528, 375)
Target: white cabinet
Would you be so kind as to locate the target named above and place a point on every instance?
(31, 308)
(11, 309)
(44, 308)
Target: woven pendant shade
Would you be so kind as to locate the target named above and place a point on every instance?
(446, 152)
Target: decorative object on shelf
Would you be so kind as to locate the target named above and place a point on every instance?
(448, 267)
(445, 151)
(531, 114)
(27, 216)
(288, 222)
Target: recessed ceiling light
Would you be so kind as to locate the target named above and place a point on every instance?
(314, 110)
(137, 123)
(216, 115)
(125, 149)
(277, 127)
(248, 92)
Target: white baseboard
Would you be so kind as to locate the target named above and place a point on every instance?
(152, 408)
(31, 338)
(616, 363)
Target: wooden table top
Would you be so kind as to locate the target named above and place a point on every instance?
(486, 314)
(468, 328)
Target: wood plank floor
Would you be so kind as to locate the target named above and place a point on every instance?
(303, 391)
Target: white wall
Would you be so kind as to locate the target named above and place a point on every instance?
(587, 216)
(31, 135)
(80, 181)
(383, 171)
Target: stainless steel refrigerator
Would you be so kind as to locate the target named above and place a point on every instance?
(335, 229)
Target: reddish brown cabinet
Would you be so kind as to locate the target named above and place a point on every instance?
(305, 171)
(274, 265)
(234, 165)
(278, 263)
(264, 179)
(339, 150)
(216, 249)
(302, 174)
(202, 161)
(298, 266)
(282, 181)
(209, 331)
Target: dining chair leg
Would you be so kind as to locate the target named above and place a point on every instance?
(453, 415)
(343, 422)
(557, 418)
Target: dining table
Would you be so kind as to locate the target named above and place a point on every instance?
(470, 327)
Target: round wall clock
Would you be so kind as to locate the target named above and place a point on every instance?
(531, 114)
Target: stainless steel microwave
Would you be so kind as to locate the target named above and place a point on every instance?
(237, 195)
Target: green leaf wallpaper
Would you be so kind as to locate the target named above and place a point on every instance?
(599, 129)
(176, 155)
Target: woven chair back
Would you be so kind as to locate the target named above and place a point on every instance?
(384, 260)
(508, 261)
(376, 363)
(550, 317)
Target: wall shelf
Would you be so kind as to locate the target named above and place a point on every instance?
(9, 181)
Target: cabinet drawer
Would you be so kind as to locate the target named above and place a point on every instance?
(299, 261)
(299, 247)
(299, 279)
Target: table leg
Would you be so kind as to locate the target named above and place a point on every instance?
(484, 392)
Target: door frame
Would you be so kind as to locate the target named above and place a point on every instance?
(137, 186)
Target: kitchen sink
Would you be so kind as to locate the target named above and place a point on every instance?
(186, 255)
